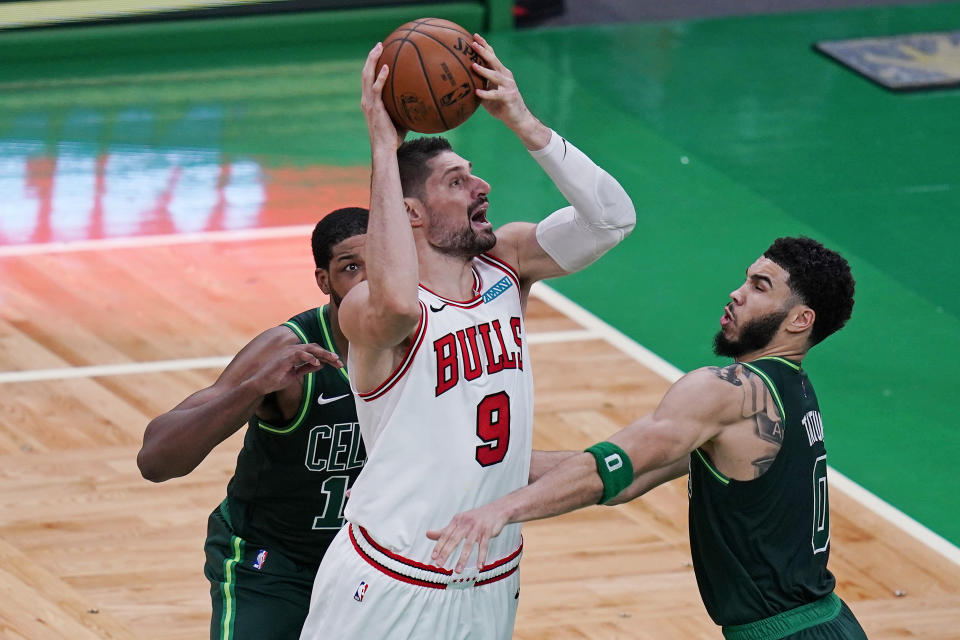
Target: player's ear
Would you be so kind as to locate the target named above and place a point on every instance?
(801, 319)
(415, 211)
(323, 280)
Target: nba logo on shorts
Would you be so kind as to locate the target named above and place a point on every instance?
(361, 590)
(261, 558)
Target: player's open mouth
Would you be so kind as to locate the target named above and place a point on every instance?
(726, 318)
(479, 215)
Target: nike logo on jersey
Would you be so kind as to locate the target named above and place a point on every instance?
(440, 308)
(322, 400)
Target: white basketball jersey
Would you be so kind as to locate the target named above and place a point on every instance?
(451, 429)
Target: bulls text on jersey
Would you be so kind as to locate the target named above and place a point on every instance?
(460, 357)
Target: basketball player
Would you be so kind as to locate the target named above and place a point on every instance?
(301, 452)
(441, 370)
(752, 438)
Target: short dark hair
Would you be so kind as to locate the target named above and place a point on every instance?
(412, 156)
(336, 227)
(820, 278)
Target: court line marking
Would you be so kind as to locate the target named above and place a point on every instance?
(671, 373)
(102, 244)
(215, 362)
(122, 369)
(573, 335)
(595, 329)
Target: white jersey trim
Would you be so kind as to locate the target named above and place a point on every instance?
(493, 261)
(425, 575)
(392, 380)
(473, 302)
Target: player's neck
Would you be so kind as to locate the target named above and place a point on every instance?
(447, 276)
(790, 351)
(339, 339)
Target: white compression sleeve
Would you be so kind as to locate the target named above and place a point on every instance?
(601, 214)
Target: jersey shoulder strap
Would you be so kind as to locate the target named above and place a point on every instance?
(769, 370)
(313, 326)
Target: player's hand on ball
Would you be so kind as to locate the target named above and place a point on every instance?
(382, 129)
(502, 97)
(474, 527)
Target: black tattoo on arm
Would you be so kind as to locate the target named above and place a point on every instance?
(728, 374)
(767, 423)
(762, 464)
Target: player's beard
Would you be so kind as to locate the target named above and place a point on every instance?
(754, 335)
(464, 242)
(335, 297)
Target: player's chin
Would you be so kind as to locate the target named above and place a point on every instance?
(486, 238)
(481, 227)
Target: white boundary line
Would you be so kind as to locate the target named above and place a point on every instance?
(595, 328)
(575, 335)
(236, 235)
(128, 368)
(671, 373)
(216, 362)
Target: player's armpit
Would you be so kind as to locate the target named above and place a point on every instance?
(517, 245)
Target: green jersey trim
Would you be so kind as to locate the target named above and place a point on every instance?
(228, 588)
(706, 462)
(789, 622)
(790, 363)
(772, 387)
(331, 345)
(308, 383)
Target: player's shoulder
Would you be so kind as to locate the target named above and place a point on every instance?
(732, 377)
(714, 391)
(278, 336)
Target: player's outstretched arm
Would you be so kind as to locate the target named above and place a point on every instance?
(175, 442)
(543, 461)
(382, 312)
(694, 410)
(601, 213)
(650, 480)
(502, 98)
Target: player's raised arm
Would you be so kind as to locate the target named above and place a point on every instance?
(381, 313)
(694, 410)
(601, 213)
(175, 442)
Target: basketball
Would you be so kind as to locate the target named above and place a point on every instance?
(431, 86)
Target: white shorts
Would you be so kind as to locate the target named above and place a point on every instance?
(364, 592)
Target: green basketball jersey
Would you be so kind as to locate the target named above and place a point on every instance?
(760, 547)
(288, 491)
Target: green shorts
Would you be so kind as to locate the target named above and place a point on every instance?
(257, 593)
(826, 619)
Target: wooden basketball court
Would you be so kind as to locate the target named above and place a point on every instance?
(96, 341)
